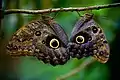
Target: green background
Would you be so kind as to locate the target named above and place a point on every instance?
(29, 68)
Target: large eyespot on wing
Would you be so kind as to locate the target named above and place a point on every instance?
(81, 38)
(54, 43)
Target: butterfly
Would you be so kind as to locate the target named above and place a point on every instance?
(88, 39)
(46, 40)
(43, 38)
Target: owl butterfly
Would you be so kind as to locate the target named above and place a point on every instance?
(43, 38)
(88, 39)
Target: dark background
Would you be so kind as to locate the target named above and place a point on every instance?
(29, 68)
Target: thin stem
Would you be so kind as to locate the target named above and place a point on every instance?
(10, 11)
(78, 69)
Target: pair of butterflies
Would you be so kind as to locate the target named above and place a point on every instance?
(46, 40)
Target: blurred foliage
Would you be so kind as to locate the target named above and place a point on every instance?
(29, 68)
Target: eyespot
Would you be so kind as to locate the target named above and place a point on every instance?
(90, 38)
(54, 43)
(94, 29)
(37, 33)
(43, 42)
(105, 41)
(80, 39)
(100, 31)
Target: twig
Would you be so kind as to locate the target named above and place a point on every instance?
(76, 70)
(10, 11)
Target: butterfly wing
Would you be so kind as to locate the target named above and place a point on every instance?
(38, 38)
(88, 39)
(21, 43)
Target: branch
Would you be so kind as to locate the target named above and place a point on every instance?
(10, 11)
(78, 69)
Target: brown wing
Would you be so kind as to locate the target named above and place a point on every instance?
(21, 43)
(103, 51)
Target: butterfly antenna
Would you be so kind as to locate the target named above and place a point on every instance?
(79, 14)
(45, 16)
(50, 11)
(56, 14)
